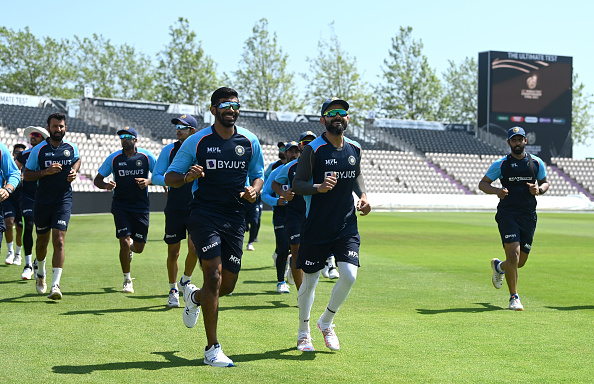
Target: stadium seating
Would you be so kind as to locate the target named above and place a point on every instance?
(582, 171)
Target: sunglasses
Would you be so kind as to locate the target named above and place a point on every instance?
(334, 112)
(182, 127)
(229, 104)
(127, 136)
(35, 134)
(305, 142)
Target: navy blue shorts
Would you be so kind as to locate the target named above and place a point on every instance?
(517, 228)
(216, 237)
(56, 216)
(293, 228)
(312, 257)
(12, 208)
(133, 224)
(176, 225)
(27, 206)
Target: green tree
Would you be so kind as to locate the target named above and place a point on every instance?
(35, 67)
(333, 72)
(185, 74)
(582, 121)
(262, 79)
(459, 103)
(113, 72)
(410, 89)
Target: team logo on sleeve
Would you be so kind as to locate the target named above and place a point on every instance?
(139, 163)
(352, 160)
(211, 164)
(239, 150)
(66, 153)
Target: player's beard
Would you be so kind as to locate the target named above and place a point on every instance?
(57, 136)
(518, 149)
(220, 116)
(128, 145)
(337, 129)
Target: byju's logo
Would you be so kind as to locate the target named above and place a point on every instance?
(211, 164)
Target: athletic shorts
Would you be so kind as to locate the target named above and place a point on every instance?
(517, 228)
(176, 225)
(27, 206)
(293, 228)
(2, 225)
(133, 224)
(11, 208)
(215, 236)
(312, 257)
(56, 216)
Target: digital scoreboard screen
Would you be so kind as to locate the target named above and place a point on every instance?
(533, 91)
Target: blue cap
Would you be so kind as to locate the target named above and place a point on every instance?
(334, 100)
(128, 130)
(306, 134)
(291, 144)
(186, 120)
(515, 131)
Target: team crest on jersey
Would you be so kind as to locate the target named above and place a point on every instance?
(66, 153)
(352, 160)
(239, 150)
(211, 164)
(139, 163)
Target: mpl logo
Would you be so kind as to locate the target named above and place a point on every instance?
(61, 222)
(235, 259)
(514, 165)
(213, 150)
(331, 162)
(211, 164)
(122, 164)
(527, 246)
(353, 254)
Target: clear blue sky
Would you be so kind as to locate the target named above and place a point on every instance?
(450, 30)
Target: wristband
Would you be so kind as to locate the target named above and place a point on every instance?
(8, 190)
(540, 191)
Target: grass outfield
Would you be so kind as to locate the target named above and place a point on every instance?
(423, 310)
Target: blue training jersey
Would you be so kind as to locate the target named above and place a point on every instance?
(127, 194)
(514, 175)
(227, 164)
(177, 198)
(332, 215)
(9, 172)
(53, 189)
(296, 207)
(28, 188)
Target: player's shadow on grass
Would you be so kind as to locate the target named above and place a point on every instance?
(36, 296)
(275, 304)
(486, 307)
(256, 268)
(573, 308)
(171, 361)
(101, 312)
(279, 354)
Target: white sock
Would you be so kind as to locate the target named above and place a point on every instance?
(184, 279)
(56, 275)
(305, 299)
(127, 276)
(28, 259)
(41, 267)
(341, 290)
(18, 249)
(173, 286)
(9, 245)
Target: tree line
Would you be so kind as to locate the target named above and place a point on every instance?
(408, 88)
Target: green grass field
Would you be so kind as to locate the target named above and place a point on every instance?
(423, 310)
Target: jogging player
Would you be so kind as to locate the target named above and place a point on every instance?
(13, 217)
(36, 135)
(327, 174)
(177, 210)
(523, 176)
(217, 160)
(130, 206)
(54, 164)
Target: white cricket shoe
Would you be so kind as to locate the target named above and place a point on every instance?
(515, 304)
(27, 272)
(9, 258)
(304, 342)
(182, 286)
(17, 259)
(173, 301)
(282, 287)
(330, 337)
(215, 357)
(128, 287)
(497, 276)
(332, 271)
(191, 310)
(55, 293)
(250, 247)
(325, 270)
(40, 284)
